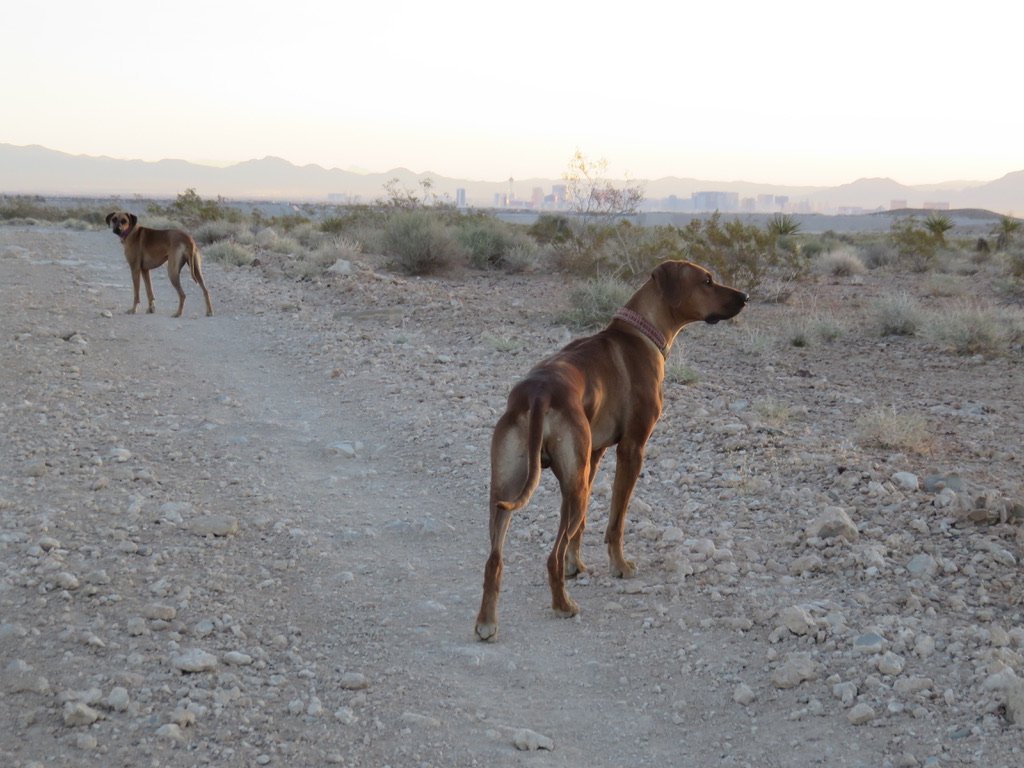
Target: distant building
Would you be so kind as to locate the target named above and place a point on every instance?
(897, 205)
(716, 201)
(940, 206)
(460, 197)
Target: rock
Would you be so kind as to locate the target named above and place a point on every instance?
(905, 481)
(353, 681)
(860, 714)
(1014, 704)
(743, 694)
(118, 699)
(77, 713)
(833, 523)
(891, 664)
(237, 659)
(797, 668)
(797, 620)
(195, 660)
(526, 740)
(869, 642)
(171, 732)
(214, 525)
(845, 692)
(922, 566)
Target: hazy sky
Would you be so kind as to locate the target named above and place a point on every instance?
(812, 93)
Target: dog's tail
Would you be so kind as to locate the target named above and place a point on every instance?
(534, 439)
(194, 261)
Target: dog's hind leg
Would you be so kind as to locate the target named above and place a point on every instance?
(573, 557)
(196, 265)
(487, 619)
(174, 274)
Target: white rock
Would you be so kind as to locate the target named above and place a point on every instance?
(353, 681)
(78, 713)
(833, 522)
(526, 740)
(797, 668)
(195, 660)
(797, 620)
(890, 663)
(743, 694)
(906, 481)
(860, 714)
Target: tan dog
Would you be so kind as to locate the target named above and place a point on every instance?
(147, 249)
(598, 391)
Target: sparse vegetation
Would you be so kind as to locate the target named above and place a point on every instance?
(892, 430)
(593, 302)
(897, 315)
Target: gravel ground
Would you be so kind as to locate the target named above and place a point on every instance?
(259, 538)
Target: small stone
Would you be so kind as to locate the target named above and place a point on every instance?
(66, 580)
(860, 714)
(891, 664)
(526, 740)
(845, 692)
(171, 732)
(797, 668)
(118, 699)
(743, 694)
(797, 620)
(237, 659)
(77, 713)
(195, 660)
(905, 481)
(214, 525)
(922, 566)
(353, 681)
(159, 611)
(869, 642)
(833, 522)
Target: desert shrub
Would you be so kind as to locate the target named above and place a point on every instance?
(677, 373)
(1015, 263)
(221, 229)
(877, 253)
(551, 228)
(842, 262)
(488, 241)
(887, 428)
(524, 256)
(772, 412)
(419, 243)
(593, 302)
(307, 264)
(192, 210)
(229, 252)
(808, 329)
(974, 330)
(897, 315)
(916, 247)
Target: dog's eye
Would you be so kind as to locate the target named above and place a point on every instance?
(707, 280)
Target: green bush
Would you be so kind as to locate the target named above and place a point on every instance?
(419, 243)
(593, 302)
(487, 241)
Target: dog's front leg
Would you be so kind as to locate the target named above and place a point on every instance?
(136, 276)
(148, 280)
(629, 459)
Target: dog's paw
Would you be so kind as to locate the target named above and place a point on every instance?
(486, 631)
(624, 569)
(567, 610)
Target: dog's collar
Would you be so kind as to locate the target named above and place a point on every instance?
(645, 326)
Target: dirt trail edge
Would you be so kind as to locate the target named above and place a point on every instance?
(259, 538)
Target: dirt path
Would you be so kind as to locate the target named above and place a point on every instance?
(258, 539)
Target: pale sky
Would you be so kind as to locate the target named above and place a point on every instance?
(803, 93)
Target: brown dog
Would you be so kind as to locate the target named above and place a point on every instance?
(598, 391)
(147, 249)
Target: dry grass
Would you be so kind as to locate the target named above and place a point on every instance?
(888, 428)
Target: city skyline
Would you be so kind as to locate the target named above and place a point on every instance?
(786, 93)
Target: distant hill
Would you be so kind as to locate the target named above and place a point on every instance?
(42, 171)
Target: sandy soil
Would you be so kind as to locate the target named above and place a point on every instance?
(259, 538)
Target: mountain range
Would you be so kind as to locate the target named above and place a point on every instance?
(40, 171)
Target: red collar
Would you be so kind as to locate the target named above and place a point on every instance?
(645, 326)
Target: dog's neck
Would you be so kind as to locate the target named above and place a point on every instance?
(645, 326)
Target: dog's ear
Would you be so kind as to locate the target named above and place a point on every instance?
(109, 217)
(133, 219)
(668, 276)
